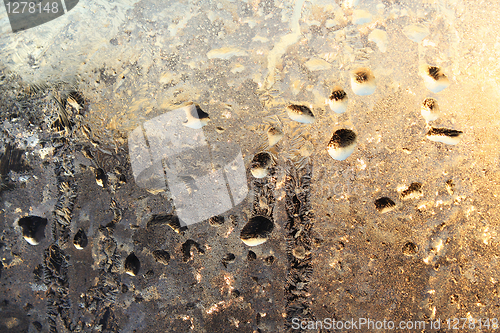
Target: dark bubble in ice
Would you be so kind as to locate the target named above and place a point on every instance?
(362, 75)
(409, 248)
(161, 256)
(434, 72)
(384, 204)
(228, 258)
(80, 240)
(132, 264)
(33, 228)
(100, 177)
(261, 160)
(338, 94)
(167, 219)
(257, 230)
(269, 260)
(429, 103)
(216, 221)
(439, 131)
(187, 248)
(414, 190)
(251, 256)
(300, 110)
(342, 138)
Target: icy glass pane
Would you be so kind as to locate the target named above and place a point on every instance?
(374, 197)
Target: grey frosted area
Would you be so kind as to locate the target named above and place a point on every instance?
(168, 136)
(236, 179)
(93, 112)
(23, 16)
(197, 175)
(148, 171)
(70, 4)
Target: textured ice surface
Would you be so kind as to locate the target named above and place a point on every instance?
(434, 256)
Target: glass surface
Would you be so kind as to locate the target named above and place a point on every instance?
(398, 225)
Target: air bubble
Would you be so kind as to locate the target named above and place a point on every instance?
(338, 100)
(216, 221)
(161, 256)
(132, 265)
(33, 228)
(363, 82)
(256, 231)
(414, 191)
(196, 117)
(430, 109)
(384, 204)
(274, 135)
(409, 249)
(444, 135)
(300, 113)
(260, 165)
(342, 144)
(434, 78)
(80, 240)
